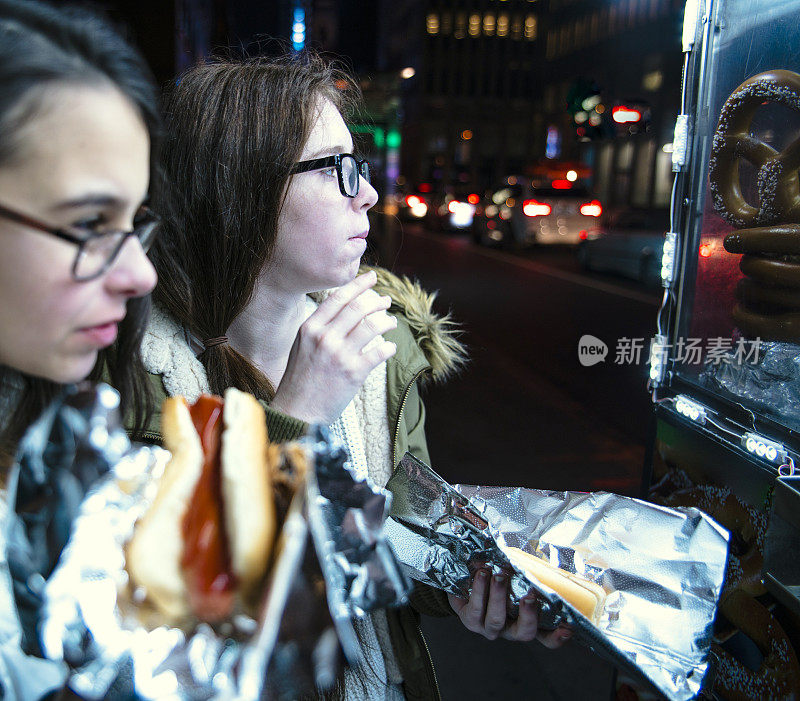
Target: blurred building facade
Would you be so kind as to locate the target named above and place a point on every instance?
(462, 93)
(611, 92)
(472, 110)
(497, 82)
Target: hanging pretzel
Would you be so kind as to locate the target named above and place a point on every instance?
(777, 181)
(778, 676)
(769, 296)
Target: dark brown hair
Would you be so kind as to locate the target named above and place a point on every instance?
(233, 131)
(42, 46)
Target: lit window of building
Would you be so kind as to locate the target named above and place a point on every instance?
(447, 23)
(432, 22)
(516, 27)
(502, 25)
(474, 25)
(530, 27)
(461, 25)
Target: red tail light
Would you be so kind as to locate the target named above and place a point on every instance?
(452, 206)
(532, 208)
(562, 184)
(582, 235)
(592, 209)
(473, 199)
(413, 200)
(705, 250)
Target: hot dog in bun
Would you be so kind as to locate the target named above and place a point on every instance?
(202, 548)
(587, 597)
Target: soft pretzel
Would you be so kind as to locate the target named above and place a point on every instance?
(752, 293)
(777, 182)
(747, 525)
(778, 677)
(771, 271)
(781, 240)
(775, 327)
(769, 294)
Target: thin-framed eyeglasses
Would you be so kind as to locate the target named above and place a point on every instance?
(96, 251)
(348, 170)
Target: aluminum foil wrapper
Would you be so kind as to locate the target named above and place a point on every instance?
(347, 517)
(77, 439)
(333, 563)
(662, 569)
(772, 384)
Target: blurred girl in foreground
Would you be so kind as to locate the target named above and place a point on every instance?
(77, 122)
(260, 290)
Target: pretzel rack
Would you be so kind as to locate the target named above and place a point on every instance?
(726, 429)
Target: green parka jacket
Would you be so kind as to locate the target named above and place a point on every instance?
(426, 350)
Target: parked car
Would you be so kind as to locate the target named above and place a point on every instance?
(631, 244)
(521, 212)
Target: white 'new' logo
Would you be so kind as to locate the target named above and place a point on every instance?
(591, 350)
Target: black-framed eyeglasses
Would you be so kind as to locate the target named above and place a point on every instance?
(348, 170)
(96, 251)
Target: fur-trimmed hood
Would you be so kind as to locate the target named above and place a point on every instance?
(437, 336)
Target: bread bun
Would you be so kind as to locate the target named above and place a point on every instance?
(204, 545)
(247, 489)
(587, 597)
(154, 553)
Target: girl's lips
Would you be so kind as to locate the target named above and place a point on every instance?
(103, 335)
(362, 235)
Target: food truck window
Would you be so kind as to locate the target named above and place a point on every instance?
(738, 330)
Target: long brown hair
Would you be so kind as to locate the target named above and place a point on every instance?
(43, 46)
(234, 128)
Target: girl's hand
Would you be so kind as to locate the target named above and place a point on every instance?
(328, 362)
(485, 613)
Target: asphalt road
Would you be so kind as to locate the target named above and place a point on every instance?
(526, 412)
(525, 396)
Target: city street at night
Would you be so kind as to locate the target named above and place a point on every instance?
(262, 258)
(525, 397)
(525, 412)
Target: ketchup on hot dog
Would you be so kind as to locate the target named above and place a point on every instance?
(206, 559)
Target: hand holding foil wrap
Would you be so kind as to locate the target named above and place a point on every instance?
(662, 569)
(333, 564)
